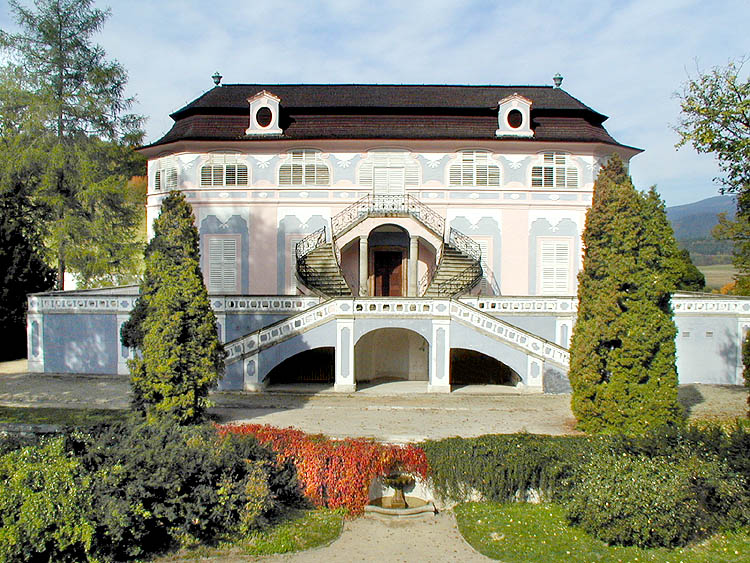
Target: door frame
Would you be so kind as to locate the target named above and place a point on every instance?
(371, 266)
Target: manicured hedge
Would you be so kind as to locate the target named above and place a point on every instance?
(335, 473)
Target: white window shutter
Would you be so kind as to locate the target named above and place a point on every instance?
(222, 265)
(554, 267)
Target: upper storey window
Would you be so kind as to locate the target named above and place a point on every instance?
(389, 172)
(224, 170)
(165, 177)
(556, 171)
(474, 168)
(306, 168)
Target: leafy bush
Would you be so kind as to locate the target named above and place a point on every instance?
(631, 499)
(507, 466)
(156, 486)
(10, 442)
(335, 473)
(44, 505)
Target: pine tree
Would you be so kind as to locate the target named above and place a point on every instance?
(622, 366)
(73, 97)
(173, 324)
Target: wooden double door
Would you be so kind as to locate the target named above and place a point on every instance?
(388, 272)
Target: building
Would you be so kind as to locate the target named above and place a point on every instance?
(354, 233)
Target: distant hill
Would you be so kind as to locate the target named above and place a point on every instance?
(694, 221)
(692, 224)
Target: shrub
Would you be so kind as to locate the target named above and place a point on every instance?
(630, 499)
(43, 505)
(156, 486)
(335, 473)
(505, 467)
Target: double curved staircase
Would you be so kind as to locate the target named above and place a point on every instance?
(458, 265)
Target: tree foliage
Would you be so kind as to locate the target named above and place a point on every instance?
(622, 366)
(716, 119)
(65, 110)
(691, 278)
(173, 323)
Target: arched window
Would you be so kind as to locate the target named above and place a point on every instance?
(165, 177)
(389, 172)
(224, 169)
(305, 168)
(474, 168)
(555, 171)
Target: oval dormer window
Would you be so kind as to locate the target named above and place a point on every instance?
(515, 118)
(264, 116)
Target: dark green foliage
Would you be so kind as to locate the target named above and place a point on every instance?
(158, 486)
(622, 366)
(11, 442)
(505, 467)
(44, 505)
(22, 268)
(669, 501)
(173, 323)
(691, 278)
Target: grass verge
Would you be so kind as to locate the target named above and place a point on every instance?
(531, 533)
(62, 417)
(297, 531)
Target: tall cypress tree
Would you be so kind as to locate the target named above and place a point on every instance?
(173, 324)
(622, 365)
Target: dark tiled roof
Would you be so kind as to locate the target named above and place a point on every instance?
(361, 111)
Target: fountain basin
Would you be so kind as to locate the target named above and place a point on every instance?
(415, 508)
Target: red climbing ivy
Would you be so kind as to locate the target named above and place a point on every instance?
(335, 473)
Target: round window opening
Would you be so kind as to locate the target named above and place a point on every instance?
(263, 116)
(515, 118)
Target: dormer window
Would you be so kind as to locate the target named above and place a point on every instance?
(264, 114)
(224, 170)
(514, 117)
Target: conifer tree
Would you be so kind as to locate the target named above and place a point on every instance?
(173, 324)
(622, 365)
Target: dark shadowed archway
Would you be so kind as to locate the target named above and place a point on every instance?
(310, 366)
(469, 367)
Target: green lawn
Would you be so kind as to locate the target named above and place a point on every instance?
(297, 531)
(62, 417)
(531, 533)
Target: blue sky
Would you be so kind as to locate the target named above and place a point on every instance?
(624, 59)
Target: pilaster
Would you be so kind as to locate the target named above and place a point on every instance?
(413, 260)
(440, 355)
(344, 360)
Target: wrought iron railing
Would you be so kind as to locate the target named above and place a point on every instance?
(461, 282)
(310, 243)
(384, 206)
(465, 244)
(489, 282)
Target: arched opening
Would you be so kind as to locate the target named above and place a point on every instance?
(391, 354)
(388, 258)
(469, 367)
(314, 366)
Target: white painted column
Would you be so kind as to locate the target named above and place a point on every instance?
(363, 281)
(413, 260)
(534, 369)
(251, 373)
(344, 361)
(35, 342)
(123, 352)
(440, 356)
